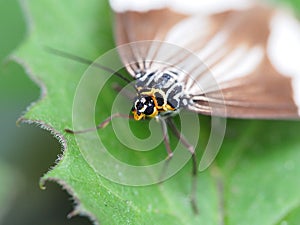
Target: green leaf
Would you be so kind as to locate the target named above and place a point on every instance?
(255, 179)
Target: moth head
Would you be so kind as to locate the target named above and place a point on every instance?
(143, 107)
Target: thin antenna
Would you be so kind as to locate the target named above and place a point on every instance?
(84, 61)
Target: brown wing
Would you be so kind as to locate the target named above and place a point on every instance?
(260, 92)
(233, 46)
(134, 26)
(263, 94)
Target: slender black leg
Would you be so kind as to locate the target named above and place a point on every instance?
(166, 138)
(191, 149)
(168, 149)
(125, 92)
(100, 125)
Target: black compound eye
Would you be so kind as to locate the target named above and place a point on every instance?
(139, 105)
(148, 99)
(149, 110)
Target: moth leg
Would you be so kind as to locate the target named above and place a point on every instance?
(168, 149)
(101, 125)
(119, 88)
(191, 149)
(166, 138)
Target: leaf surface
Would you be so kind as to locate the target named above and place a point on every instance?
(255, 179)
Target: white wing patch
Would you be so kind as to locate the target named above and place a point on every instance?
(184, 32)
(240, 63)
(216, 43)
(284, 49)
(181, 6)
(137, 5)
(208, 6)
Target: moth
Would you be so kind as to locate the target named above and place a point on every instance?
(251, 50)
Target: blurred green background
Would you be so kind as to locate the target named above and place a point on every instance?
(26, 152)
